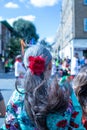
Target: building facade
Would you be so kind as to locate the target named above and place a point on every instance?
(73, 28)
(6, 33)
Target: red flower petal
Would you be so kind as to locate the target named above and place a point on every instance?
(62, 123)
(74, 125)
(14, 106)
(74, 114)
(7, 126)
(36, 64)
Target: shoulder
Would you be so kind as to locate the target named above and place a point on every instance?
(16, 115)
(71, 118)
(60, 120)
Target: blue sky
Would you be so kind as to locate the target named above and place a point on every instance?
(45, 14)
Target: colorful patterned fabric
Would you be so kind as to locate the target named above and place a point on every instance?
(70, 119)
(17, 118)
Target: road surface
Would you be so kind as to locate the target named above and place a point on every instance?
(7, 81)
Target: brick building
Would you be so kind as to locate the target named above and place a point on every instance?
(72, 32)
(6, 32)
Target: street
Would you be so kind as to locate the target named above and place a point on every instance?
(7, 81)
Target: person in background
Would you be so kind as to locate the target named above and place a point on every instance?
(80, 87)
(82, 61)
(75, 65)
(2, 106)
(65, 67)
(68, 59)
(10, 61)
(6, 66)
(19, 67)
(42, 104)
(57, 63)
(85, 60)
(53, 72)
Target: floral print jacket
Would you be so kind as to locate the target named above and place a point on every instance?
(17, 118)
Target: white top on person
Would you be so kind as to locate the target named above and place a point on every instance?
(75, 65)
(19, 67)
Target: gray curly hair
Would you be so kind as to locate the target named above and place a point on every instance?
(37, 50)
(81, 78)
(80, 83)
(34, 85)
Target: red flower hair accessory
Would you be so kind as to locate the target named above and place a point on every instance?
(36, 64)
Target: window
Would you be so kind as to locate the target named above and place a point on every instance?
(85, 24)
(85, 2)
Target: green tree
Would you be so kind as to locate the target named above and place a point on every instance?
(26, 30)
(13, 48)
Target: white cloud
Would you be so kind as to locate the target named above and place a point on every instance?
(1, 18)
(27, 17)
(25, 2)
(50, 39)
(11, 5)
(42, 3)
